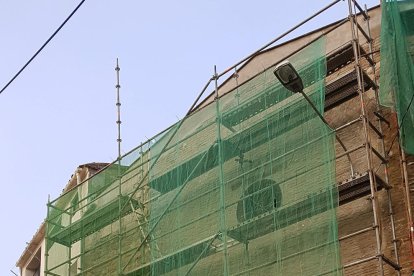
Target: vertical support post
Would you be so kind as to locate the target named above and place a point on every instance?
(82, 251)
(142, 224)
(223, 226)
(118, 105)
(71, 212)
(119, 140)
(408, 202)
(246, 249)
(47, 236)
(364, 119)
(383, 150)
(149, 224)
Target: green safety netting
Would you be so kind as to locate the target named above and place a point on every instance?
(244, 186)
(397, 65)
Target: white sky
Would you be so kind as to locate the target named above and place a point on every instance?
(61, 113)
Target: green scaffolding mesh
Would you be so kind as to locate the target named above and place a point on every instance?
(397, 65)
(244, 186)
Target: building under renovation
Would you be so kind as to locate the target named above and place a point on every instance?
(253, 181)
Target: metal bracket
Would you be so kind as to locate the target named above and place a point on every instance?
(391, 263)
(382, 118)
(376, 130)
(382, 158)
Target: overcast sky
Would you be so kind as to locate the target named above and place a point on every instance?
(60, 112)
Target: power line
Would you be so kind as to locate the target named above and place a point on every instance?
(43, 46)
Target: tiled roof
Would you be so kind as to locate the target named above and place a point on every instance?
(94, 166)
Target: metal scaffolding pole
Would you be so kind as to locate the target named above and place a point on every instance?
(357, 65)
(383, 150)
(223, 226)
(407, 200)
(47, 237)
(119, 140)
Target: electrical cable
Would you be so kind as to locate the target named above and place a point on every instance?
(43, 46)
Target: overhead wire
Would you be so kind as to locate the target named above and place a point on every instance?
(43, 46)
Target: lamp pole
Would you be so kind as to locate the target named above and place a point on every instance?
(316, 110)
(326, 123)
(290, 79)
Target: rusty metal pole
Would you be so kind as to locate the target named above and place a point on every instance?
(383, 150)
(373, 187)
(408, 202)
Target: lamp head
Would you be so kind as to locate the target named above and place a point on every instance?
(288, 77)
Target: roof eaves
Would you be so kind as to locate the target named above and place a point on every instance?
(34, 243)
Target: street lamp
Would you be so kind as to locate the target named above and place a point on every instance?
(287, 75)
(290, 79)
